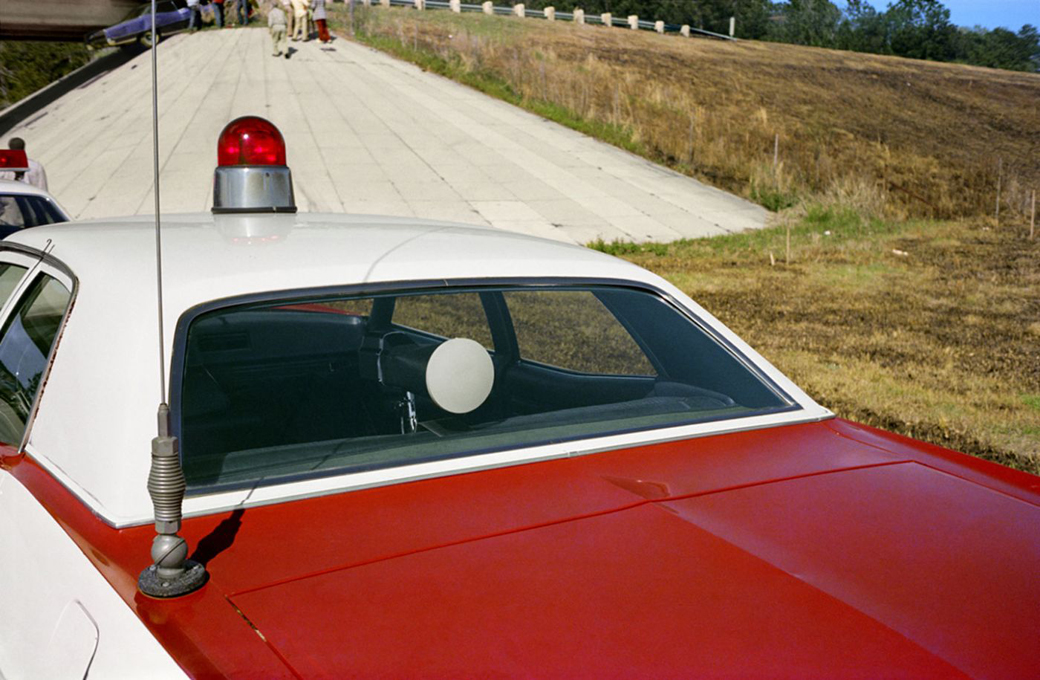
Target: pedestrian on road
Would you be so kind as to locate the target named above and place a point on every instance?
(276, 24)
(35, 175)
(218, 13)
(320, 18)
(290, 24)
(300, 29)
(195, 18)
(243, 12)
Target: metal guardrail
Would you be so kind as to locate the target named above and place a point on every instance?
(595, 19)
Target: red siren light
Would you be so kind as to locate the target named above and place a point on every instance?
(250, 140)
(13, 160)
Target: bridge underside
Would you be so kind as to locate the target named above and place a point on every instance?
(69, 20)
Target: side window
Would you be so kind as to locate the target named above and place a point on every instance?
(573, 330)
(450, 316)
(25, 343)
(10, 276)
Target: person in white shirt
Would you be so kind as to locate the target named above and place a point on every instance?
(35, 176)
(300, 29)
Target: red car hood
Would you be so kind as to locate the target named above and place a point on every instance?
(824, 549)
(886, 568)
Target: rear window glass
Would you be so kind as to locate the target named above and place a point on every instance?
(10, 276)
(18, 212)
(25, 345)
(276, 391)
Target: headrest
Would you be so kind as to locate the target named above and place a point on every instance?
(457, 374)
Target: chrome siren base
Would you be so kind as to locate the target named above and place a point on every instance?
(253, 189)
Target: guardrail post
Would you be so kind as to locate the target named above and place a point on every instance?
(366, 3)
(385, 3)
(659, 27)
(607, 20)
(488, 8)
(550, 13)
(518, 10)
(420, 4)
(732, 26)
(685, 31)
(579, 15)
(455, 5)
(633, 21)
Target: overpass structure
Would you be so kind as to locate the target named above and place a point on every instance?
(365, 134)
(69, 20)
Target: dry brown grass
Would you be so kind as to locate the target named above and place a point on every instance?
(938, 340)
(924, 138)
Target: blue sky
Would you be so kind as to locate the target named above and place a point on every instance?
(989, 13)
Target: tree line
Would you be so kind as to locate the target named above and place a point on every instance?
(918, 29)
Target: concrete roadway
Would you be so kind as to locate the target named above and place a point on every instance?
(365, 134)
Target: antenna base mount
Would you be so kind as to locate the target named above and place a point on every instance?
(192, 578)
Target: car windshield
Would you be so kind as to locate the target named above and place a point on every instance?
(297, 387)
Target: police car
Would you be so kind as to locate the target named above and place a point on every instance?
(22, 205)
(399, 447)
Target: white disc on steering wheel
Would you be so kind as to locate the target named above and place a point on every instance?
(459, 375)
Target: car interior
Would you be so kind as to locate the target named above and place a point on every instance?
(333, 385)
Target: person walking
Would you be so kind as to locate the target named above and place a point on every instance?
(320, 19)
(276, 24)
(301, 31)
(35, 176)
(290, 24)
(195, 18)
(218, 13)
(243, 12)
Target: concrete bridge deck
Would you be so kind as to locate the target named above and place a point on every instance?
(365, 134)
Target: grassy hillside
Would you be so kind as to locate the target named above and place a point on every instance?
(903, 304)
(911, 137)
(931, 329)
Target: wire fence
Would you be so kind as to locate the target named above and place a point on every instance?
(594, 19)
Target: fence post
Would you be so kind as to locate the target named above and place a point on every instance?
(1032, 217)
(776, 157)
(685, 31)
(659, 27)
(633, 21)
(607, 19)
(550, 13)
(1000, 174)
(579, 15)
(518, 10)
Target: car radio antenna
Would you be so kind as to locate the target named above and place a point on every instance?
(171, 574)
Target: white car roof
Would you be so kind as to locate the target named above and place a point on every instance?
(11, 186)
(96, 414)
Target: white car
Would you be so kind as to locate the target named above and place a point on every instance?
(23, 205)
(396, 447)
